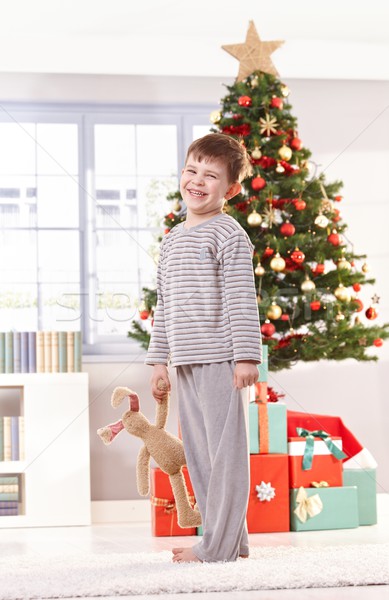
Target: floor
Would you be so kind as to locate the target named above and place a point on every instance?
(136, 537)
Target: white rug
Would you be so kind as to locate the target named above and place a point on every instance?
(281, 567)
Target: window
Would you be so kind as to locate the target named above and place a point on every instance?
(82, 199)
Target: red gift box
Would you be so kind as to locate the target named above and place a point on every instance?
(163, 505)
(271, 513)
(325, 467)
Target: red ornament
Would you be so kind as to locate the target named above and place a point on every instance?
(359, 304)
(338, 198)
(299, 204)
(268, 252)
(258, 183)
(170, 216)
(334, 238)
(295, 143)
(237, 117)
(336, 217)
(284, 317)
(371, 313)
(276, 103)
(357, 287)
(268, 329)
(144, 314)
(167, 230)
(315, 305)
(297, 256)
(287, 229)
(245, 101)
(319, 269)
(378, 342)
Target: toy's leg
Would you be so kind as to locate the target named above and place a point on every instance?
(109, 432)
(187, 517)
(213, 416)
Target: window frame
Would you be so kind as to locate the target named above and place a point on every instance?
(85, 116)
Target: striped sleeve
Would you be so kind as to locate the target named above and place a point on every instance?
(158, 350)
(241, 301)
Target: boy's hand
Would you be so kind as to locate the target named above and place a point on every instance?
(160, 372)
(246, 373)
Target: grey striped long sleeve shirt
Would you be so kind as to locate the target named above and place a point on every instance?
(207, 308)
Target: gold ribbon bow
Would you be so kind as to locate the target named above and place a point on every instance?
(307, 506)
(319, 484)
(170, 507)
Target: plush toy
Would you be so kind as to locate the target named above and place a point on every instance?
(166, 449)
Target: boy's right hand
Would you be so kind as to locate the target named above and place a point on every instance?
(160, 372)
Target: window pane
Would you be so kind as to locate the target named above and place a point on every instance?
(18, 257)
(17, 201)
(61, 306)
(57, 148)
(59, 260)
(18, 306)
(17, 148)
(116, 201)
(116, 308)
(153, 204)
(156, 150)
(58, 201)
(200, 130)
(115, 149)
(119, 260)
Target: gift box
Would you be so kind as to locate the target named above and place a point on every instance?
(268, 507)
(263, 368)
(365, 481)
(314, 459)
(267, 428)
(312, 509)
(163, 506)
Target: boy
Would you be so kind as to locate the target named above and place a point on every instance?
(206, 322)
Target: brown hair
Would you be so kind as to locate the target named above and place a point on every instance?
(220, 146)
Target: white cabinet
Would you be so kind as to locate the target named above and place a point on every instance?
(55, 473)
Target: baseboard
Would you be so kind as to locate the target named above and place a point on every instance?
(121, 511)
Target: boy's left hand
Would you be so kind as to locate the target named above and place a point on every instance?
(246, 373)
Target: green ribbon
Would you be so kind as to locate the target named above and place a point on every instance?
(309, 445)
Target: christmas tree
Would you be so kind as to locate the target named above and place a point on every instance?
(307, 275)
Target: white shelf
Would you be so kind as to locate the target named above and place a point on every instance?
(56, 468)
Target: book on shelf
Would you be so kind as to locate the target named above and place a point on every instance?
(40, 352)
(10, 495)
(12, 440)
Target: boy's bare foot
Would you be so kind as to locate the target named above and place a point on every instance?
(185, 555)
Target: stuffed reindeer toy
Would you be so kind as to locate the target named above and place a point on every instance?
(166, 449)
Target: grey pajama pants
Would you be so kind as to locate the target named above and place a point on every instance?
(213, 419)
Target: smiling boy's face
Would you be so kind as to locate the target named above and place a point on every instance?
(205, 186)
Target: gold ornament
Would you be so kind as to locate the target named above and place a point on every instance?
(339, 317)
(259, 298)
(268, 125)
(285, 90)
(308, 285)
(285, 152)
(344, 264)
(280, 168)
(256, 153)
(254, 219)
(321, 221)
(365, 268)
(277, 263)
(259, 270)
(274, 312)
(342, 293)
(215, 116)
(254, 81)
(176, 206)
(253, 55)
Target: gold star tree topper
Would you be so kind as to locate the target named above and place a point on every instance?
(253, 55)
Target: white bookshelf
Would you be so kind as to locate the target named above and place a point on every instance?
(56, 470)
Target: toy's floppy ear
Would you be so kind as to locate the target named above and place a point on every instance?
(120, 393)
(134, 402)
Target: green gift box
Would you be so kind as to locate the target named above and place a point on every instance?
(339, 508)
(199, 530)
(263, 368)
(365, 480)
(275, 423)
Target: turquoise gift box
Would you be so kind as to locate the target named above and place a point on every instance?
(340, 509)
(277, 428)
(263, 368)
(365, 480)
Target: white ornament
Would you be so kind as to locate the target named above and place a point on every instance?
(265, 491)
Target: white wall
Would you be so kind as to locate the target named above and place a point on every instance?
(346, 125)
